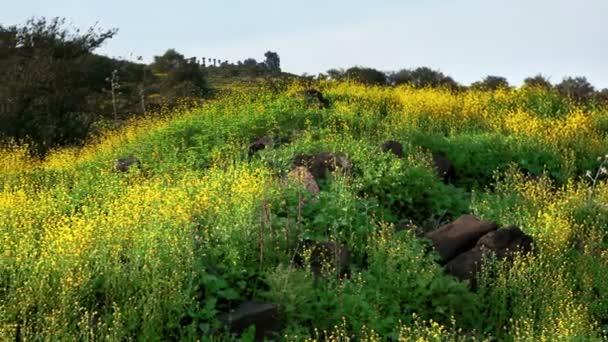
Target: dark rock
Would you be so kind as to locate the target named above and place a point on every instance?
(444, 167)
(323, 256)
(259, 144)
(264, 316)
(506, 242)
(466, 265)
(301, 175)
(124, 164)
(313, 97)
(459, 236)
(503, 243)
(330, 254)
(394, 147)
(321, 164)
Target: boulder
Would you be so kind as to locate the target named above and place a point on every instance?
(321, 164)
(394, 147)
(264, 316)
(324, 256)
(466, 265)
(315, 98)
(124, 164)
(444, 167)
(259, 144)
(329, 255)
(504, 243)
(301, 175)
(459, 236)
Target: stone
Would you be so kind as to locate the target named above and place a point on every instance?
(124, 164)
(459, 236)
(324, 256)
(301, 175)
(321, 164)
(264, 316)
(504, 243)
(394, 147)
(315, 98)
(466, 265)
(444, 167)
(259, 144)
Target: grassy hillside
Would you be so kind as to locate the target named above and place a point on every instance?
(165, 251)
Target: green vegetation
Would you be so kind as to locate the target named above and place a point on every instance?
(164, 251)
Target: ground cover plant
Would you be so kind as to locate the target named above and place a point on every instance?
(205, 223)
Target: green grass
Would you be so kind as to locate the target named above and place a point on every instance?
(163, 252)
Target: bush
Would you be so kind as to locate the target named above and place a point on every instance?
(578, 89)
(491, 83)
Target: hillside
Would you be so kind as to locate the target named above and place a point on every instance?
(211, 219)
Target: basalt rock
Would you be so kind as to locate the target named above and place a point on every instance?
(264, 316)
(323, 163)
(323, 257)
(444, 167)
(503, 243)
(394, 147)
(466, 265)
(457, 237)
(301, 175)
(315, 98)
(506, 242)
(124, 164)
(260, 144)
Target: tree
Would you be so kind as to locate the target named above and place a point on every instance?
(491, 83)
(538, 81)
(403, 76)
(47, 81)
(272, 62)
(365, 75)
(578, 89)
(423, 77)
(250, 62)
(336, 74)
(179, 77)
(601, 97)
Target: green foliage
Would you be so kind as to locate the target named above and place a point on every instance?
(538, 81)
(46, 83)
(491, 83)
(272, 62)
(179, 77)
(362, 75)
(578, 89)
(165, 252)
(423, 77)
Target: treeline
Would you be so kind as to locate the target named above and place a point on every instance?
(55, 89)
(576, 88)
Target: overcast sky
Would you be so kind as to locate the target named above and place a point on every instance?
(466, 39)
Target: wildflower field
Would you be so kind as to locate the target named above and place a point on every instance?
(165, 251)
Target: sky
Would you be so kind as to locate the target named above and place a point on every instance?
(466, 39)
